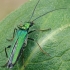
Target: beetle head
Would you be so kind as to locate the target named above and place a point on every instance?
(26, 26)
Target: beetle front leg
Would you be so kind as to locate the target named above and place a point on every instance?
(39, 30)
(13, 35)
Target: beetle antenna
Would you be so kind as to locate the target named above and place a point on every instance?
(34, 10)
(47, 13)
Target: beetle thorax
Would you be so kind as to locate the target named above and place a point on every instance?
(24, 27)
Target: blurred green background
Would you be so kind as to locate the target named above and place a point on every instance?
(7, 6)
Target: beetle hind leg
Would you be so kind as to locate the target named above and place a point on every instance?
(39, 46)
(4, 65)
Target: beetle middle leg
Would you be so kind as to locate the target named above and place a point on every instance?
(6, 50)
(13, 35)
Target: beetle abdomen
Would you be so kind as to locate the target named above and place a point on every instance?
(10, 65)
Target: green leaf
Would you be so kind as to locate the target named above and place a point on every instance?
(56, 41)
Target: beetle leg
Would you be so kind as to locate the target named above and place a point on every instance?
(39, 30)
(39, 46)
(5, 65)
(13, 35)
(45, 29)
(6, 50)
(31, 31)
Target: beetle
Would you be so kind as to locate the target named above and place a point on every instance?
(20, 37)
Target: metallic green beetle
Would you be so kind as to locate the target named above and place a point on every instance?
(19, 42)
(20, 37)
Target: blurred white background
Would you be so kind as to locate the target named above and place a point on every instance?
(6, 6)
